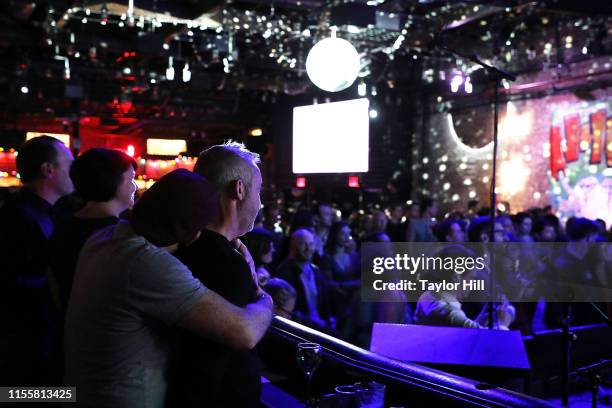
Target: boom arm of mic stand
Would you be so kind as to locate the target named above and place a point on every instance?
(500, 73)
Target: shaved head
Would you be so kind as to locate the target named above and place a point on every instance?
(302, 245)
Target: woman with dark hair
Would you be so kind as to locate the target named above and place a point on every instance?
(390, 307)
(104, 181)
(261, 246)
(524, 225)
(503, 274)
(341, 269)
(479, 230)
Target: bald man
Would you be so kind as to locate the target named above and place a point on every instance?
(312, 303)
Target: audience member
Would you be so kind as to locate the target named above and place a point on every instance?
(104, 180)
(208, 373)
(312, 303)
(323, 215)
(29, 346)
(130, 294)
(524, 223)
(421, 229)
(341, 268)
(444, 308)
(284, 296)
(450, 231)
(544, 231)
(396, 226)
(261, 246)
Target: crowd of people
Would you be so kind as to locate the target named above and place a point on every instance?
(161, 301)
(322, 242)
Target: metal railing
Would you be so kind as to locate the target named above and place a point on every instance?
(415, 385)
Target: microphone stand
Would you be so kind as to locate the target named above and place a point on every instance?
(498, 74)
(592, 373)
(567, 337)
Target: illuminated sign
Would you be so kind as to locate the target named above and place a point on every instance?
(62, 137)
(166, 147)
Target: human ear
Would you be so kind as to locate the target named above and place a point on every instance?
(46, 169)
(240, 190)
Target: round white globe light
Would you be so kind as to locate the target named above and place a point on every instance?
(333, 64)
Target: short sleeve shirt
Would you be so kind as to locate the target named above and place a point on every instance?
(126, 295)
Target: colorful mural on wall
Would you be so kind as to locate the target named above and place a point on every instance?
(581, 161)
(554, 149)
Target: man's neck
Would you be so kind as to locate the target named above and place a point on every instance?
(301, 263)
(223, 228)
(99, 210)
(43, 191)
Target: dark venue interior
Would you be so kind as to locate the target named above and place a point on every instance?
(235, 203)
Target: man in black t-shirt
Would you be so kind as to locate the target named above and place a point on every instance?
(204, 373)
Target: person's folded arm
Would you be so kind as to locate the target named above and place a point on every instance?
(219, 320)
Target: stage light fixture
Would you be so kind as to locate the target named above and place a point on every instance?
(333, 64)
(362, 89)
(186, 73)
(170, 70)
(456, 82)
(467, 85)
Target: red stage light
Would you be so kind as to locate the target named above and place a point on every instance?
(124, 107)
(300, 182)
(353, 182)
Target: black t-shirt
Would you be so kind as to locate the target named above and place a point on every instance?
(206, 373)
(65, 246)
(396, 231)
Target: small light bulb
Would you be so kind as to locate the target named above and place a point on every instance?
(362, 89)
(186, 73)
(170, 70)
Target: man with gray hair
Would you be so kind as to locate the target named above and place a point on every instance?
(209, 374)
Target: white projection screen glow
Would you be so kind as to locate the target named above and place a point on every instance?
(331, 137)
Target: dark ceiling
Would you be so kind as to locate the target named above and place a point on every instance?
(256, 49)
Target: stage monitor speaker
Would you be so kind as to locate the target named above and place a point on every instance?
(485, 355)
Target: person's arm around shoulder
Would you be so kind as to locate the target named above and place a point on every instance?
(216, 318)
